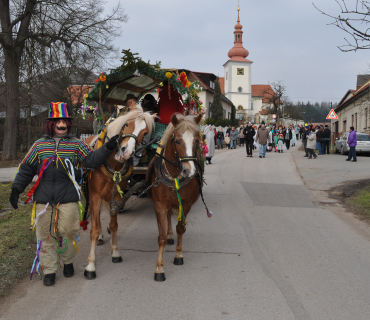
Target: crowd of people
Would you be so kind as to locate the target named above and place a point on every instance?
(268, 138)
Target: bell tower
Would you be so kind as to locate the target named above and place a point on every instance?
(238, 78)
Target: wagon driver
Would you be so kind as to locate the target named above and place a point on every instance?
(57, 159)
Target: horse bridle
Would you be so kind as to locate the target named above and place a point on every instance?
(179, 159)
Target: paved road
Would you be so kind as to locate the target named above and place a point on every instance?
(6, 174)
(274, 249)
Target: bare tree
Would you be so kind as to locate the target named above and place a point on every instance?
(65, 25)
(353, 20)
(275, 97)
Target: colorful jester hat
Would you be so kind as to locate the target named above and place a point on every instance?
(58, 110)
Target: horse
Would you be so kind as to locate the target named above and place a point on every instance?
(178, 157)
(101, 185)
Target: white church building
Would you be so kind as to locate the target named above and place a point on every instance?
(251, 101)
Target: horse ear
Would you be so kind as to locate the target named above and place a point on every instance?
(198, 118)
(174, 120)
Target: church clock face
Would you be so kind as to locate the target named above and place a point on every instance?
(240, 71)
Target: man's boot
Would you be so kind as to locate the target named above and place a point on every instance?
(49, 279)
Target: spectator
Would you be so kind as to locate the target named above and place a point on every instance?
(227, 141)
(327, 134)
(209, 133)
(228, 130)
(320, 142)
(287, 137)
(241, 137)
(215, 132)
(352, 142)
(262, 137)
(249, 133)
(203, 146)
(220, 138)
(280, 141)
(233, 137)
(311, 143)
(304, 139)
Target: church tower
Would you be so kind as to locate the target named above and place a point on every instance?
(238, 74)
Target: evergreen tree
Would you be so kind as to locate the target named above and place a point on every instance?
(216, 107)
(233, 114)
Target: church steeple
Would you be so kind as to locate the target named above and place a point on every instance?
(238, 49)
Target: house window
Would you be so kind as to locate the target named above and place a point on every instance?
(353, 120)
(345, 125)
(252, 105)
(224, 113)
(239, 116)
(212, 85)
(228, 115)
(356, 121)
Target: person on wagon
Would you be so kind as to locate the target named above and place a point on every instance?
(56, 159)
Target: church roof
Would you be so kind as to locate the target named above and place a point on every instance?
(263, 90)
(222, 84)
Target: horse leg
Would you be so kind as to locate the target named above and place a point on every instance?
(161, 213)
(180, 230)
(101, 236)
(90, 271)
(170, 240)
(113, 227)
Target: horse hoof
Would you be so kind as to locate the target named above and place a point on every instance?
(100, 242)
(108, 230)
(170, 241)
(116, 259)
(90, 275)
(159, 277)
(178, 261)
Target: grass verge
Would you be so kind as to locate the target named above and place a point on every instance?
(17, 241)
(359, 202)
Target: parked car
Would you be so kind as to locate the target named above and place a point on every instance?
(363, 143)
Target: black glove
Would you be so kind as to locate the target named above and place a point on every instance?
(14, 196)
(112, 143)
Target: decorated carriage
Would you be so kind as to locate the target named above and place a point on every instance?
(174, 177)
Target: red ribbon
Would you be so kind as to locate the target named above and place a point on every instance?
(84, 224)
(31, 192)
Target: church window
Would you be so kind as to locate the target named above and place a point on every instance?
(240, 89)
(251, 105)
(240, 71)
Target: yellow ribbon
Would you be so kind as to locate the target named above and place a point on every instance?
(33, 216)
(179, 217)
(75, 245)
(119, 179)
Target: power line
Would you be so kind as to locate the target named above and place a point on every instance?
(315, 98)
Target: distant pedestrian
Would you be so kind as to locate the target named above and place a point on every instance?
(280, 142)
(228, 130)
(227, 141)
(288, 136)
(320, 142)
(327, 135)
(241, 137)
(249, 133)
(352, 143)
(234, 137)
(304, 139)
(204, 147)
(220, 138)
(210, 137)
(311, 144)
(263, 138)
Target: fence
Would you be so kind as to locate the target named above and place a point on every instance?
(84, 136)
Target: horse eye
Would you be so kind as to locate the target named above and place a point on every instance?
(145, 133)
(177, 142)
(126, 124)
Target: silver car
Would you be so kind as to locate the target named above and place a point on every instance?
(363, 143)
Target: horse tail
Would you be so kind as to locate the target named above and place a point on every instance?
(85, 191)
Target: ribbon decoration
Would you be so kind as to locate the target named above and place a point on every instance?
(42, 170)
(181, 216)
(80, 210)
(33, 216)
(117, 178)
(39, 214)
(16, 171)
(65, 245)
(71, 173)
(75, 245)
(37, 262)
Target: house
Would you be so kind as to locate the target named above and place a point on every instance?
(353, 109)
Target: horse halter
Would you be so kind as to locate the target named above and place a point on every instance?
(182, 159)
(126, 135)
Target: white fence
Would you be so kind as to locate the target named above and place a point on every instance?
(83, 136)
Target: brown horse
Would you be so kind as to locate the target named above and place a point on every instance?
(179, 160)
(132, 127)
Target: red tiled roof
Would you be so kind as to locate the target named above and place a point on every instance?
(193, 77)
(222, 84)
(262, 90)
(264, 112)
(354, 92)
(77, 92)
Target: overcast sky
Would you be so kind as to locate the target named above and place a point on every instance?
(287, 40)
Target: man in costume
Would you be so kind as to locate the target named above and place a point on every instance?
(57, 159)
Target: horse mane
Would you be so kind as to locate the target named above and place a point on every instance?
(185, 123)
(116, 126)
